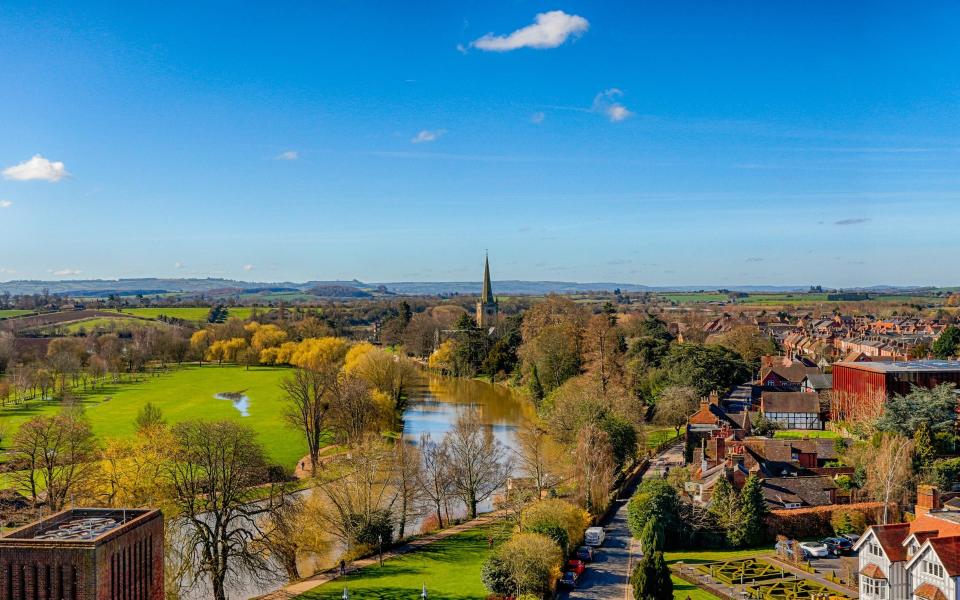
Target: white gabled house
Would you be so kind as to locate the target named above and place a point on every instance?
(934, 571)
(883, 559)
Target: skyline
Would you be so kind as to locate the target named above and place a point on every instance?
(688, 144)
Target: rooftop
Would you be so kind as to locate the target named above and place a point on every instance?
(78, 525)
(908, 366)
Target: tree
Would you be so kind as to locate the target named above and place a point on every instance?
(763, 426)
(478, 464)
(557, 519)
(651, 540)
(290, 528)
(533, 562)
(923, 450)
(948, 343)
(148, 418)
(217, 465)
(594, 467)
(495, 576)
(657, 500)
(753, 509)
(651, 578)
(353, 411)
(725, 505)
(56, 456)
(749, 342)
(705, 368)
(537, 456)
(200, 343)
(848, 521)
(675, 404)
(888, 468)
(434, 476)
(406, 475)
(391, 374)
(935, 408)
(308, 404)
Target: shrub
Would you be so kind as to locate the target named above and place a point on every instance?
(800, 523)
(848, 521)
(495, 576)
(533, 562)
(554, 515)
(655, 499)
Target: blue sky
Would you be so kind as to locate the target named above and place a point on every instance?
(659, 143)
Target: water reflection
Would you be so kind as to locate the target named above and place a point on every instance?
(240, 401)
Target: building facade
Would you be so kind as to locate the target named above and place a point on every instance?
(488, 311)
(85, 554)
(861, 388)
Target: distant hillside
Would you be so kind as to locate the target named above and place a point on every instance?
(355, 289)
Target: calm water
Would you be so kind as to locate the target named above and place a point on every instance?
(433, 408)
(240, 401)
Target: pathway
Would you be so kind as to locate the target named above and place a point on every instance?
(301, 587)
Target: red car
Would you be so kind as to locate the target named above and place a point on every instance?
(577, 566)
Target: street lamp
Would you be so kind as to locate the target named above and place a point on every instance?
(346, 593)
(381, 550)
(423, 594)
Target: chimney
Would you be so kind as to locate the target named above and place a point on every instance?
(928, 499)
(714, 398)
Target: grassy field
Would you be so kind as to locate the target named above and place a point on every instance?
(184, 394)
(799, 434)
(696, 557)
(109, 324)
(694, 297)
(656, 435)
(6, 313)
(449, 568)
(189, 313)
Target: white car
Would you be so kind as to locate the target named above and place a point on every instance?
(814, 549)
(594, 536)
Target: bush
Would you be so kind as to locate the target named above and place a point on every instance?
(495, 576)
(373, 530)
(848, 521)
(552, 516)
(816, 521)
(533, 562)
(657, 500)
(945, 472)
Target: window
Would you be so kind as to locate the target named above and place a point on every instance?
(933, 568)
(874, 549)
(876, 588)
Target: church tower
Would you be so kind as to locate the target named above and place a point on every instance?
(487, 309)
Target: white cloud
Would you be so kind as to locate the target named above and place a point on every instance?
(288, 155)
(5, 204)
(427, 136)
(248, 267)
(8, 271)
(37, 167)
(537, 118)
(66, 272)
(550, 29)
(606, 103)
(178, 265)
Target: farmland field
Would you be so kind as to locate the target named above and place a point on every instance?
(6, 313)
(108, 324)
(189, 313)
(184, 394)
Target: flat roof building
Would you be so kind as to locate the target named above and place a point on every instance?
(85, 554)
(861, 388)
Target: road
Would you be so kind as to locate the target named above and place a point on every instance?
(607, 577)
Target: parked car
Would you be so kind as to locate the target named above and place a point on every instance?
(594, 536)
(585, 553)
(785, 548)
(577, 566)
(853, 537)
(814, 549)
(568, 580)
(838, 545)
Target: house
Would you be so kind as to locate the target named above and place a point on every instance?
(792, 410)
(916, 560)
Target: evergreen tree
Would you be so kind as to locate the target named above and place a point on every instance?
(725, 505)
(536, 388)
(948, 344)
(923, 450)
(753, 508)
(651, 540)
(651, 578)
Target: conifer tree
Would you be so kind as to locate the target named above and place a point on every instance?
(923, 450)
(651, 578)
(753, 508)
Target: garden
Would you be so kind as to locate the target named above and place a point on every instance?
(741, 571)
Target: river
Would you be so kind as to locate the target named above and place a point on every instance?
(432, 408)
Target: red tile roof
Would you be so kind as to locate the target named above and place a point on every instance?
(873, 572)
(891, 540)
(928, 591)
(948, 551)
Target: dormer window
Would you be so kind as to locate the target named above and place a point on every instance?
(933, 568)
(875, 549)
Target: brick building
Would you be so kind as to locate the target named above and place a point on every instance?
(861, 388)
(85, 554)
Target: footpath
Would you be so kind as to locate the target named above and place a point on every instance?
(305, 585)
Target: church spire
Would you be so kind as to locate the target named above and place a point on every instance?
(486, 296)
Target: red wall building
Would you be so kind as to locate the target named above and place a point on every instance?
(861, 388)
(85, 554)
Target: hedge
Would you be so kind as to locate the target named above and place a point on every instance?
(799, 523)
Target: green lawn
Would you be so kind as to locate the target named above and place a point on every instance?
(656, 436)
(449, 568)
(683, 589)
(6, 313)
(189, 313)
(109, 324)
(188, 393)
(798, 434)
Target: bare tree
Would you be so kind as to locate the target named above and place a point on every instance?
(434, 477)
(675, 405)
(536, 460)
(594, 467)
(289, 529)
(479, 465)
(353, 411)
(889, 469)
(56, 456)
(406, 472)
(217, 464)
(308, 400)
